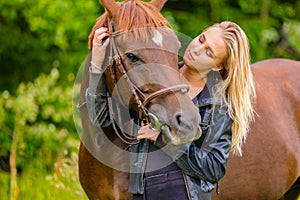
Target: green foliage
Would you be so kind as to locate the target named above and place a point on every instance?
(271, 26)
(41, 115)
(37, 183)
(39, 35)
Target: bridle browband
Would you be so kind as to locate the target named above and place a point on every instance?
(115, 62)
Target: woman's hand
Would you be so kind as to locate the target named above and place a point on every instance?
(146, 133)
(98, 50)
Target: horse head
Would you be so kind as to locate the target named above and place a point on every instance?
(142, 72)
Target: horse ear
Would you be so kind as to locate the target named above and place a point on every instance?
(159, 4)
(111, 6)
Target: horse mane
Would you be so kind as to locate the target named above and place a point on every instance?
(132, 14)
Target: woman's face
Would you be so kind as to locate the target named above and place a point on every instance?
(207, 51)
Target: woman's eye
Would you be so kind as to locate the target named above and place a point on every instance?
(209, 54)
(132, 57)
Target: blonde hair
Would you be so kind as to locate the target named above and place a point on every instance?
(238, 83)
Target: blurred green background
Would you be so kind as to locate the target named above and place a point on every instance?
(43, 44)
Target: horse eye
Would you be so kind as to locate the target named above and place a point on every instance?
(132, 57)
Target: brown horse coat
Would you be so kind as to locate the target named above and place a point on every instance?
(270, 164)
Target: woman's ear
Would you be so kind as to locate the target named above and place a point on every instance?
(218, 68)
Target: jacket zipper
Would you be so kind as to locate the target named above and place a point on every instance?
(144, 167)
(186, 186)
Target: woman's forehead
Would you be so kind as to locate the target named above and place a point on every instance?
(215, 31)
(215, 39)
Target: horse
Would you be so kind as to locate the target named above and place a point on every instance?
(270, 165)
(142, 78)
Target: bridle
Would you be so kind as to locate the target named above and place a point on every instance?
(142, 100)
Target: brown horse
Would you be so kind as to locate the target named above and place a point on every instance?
(270, 165)
(143, 77)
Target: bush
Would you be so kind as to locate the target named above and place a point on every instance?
(37, 130)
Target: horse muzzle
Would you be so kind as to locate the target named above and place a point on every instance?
(169, 135)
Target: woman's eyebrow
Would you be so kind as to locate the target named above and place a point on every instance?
(202, 36)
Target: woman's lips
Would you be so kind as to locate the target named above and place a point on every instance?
(191, 56)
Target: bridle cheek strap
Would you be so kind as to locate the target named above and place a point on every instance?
(116, 61)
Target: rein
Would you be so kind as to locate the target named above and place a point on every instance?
(152, 120)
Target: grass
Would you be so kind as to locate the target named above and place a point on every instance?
(36, 183)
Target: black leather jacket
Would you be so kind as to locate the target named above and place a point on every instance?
(203, 161)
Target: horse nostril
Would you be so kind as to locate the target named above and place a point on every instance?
(179, 119)
(182, 123)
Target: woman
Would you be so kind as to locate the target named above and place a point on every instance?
(217, 66)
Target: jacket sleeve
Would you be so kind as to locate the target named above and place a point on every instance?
(206, 161)
(96, 100)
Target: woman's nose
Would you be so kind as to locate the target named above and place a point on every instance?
(198, 49)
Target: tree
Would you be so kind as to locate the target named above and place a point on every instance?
(39, 35)
(273, 27)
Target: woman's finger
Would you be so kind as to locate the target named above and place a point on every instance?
(100, 30)
(100, 33)
(144, 130)
(101, 36)
(98, 41)
(106, 42)
(146, 133)
(153, 136)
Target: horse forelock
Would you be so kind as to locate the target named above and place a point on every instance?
(132, 15)
(135, 14)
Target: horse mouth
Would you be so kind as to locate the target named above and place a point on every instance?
(169, 136)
